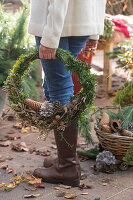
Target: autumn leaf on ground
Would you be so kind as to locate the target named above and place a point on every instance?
(3, 139)
(16, 178)
(104, 184)
(31, 150)
(10, 186)
(30, 189)
(83, 186)
(70, 196)
(22, 175)
(4, 166)
(45, 153)
(29, 177)
(6, 144)
(65, 186)
(20, 147)
(34, 129)
(54, 146)
(31, 196)
(10, 170)
(84, 193)
(11, 131)
(2, 185)
(25, 130)
(83, 176)
(17, 126)
(57, 188)
(15, 137)
(36, 180)
(39, 185)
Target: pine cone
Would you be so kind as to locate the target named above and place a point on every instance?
(104, 120)
(116, 125)
(105, 158)
(33, 105)
(58, 108)
(106, 128)
(46, 109)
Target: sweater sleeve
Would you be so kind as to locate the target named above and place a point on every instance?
(57, 11)
(94, 37)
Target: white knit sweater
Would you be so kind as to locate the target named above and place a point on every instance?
(52, 19)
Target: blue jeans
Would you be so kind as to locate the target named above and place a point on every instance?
(58, 84)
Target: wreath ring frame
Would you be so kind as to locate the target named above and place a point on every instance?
(30, 115)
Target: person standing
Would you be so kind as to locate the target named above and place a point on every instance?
(72, 25)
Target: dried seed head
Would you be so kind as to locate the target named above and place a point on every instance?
(54, 122)
(62, 123)
(57, 117)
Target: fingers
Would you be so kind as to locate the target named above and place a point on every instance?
(47, 53)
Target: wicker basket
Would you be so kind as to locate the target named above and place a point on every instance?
(116, 144)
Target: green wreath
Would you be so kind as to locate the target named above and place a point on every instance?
(49, 116)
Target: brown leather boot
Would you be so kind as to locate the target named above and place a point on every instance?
(65, 170)
(49, 161)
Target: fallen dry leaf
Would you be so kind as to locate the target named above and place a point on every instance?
(3, 139)
(3, 160)
(11, 186)
(4, 166)
(84, 193)
(65, 186)
(6, 144)
(83, 186)
(31, 150)
(107, 180)
(11, 170)
(25, 130)
(45, 153)
(2, 185)
(54, 142)
(34, 129)
(39, 185)
(29, 189)
(11, 131)
(70, 196)
(16, 178)
(36, 180)
(104, 184)
(15, 137)
(22, 175)
(29, 177)
(83, 176)
(54, 146)
(20, 147)
(17, 126)
(57, 188)
(29, 172)
(31, 196)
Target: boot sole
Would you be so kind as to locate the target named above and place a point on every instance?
(73, 183)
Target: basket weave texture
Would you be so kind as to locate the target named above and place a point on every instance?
(116, 144)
